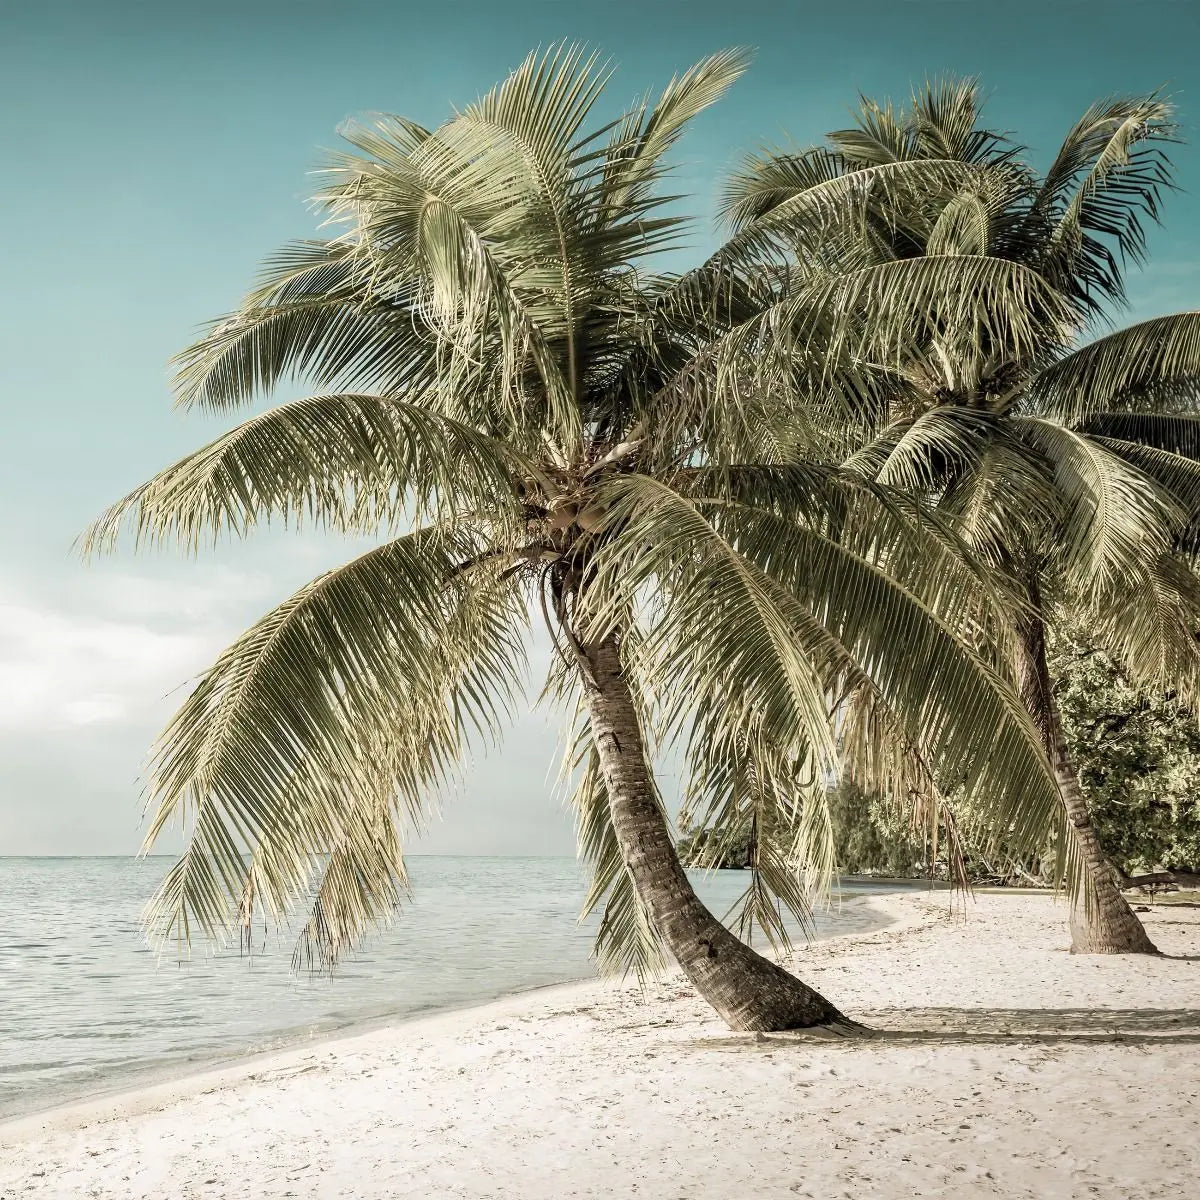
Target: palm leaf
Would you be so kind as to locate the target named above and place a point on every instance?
(1109, 174)
(632, 161)
(1112, 515)
(354, 693)
(1151, 628)
(945, 114)
(1177, 433)
(793, 602)
(773, 177)
(353, 463)
(966, 304)
(1175, 474)
(331, 340)
(1150, 365)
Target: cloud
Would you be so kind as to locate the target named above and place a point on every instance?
(111, 655)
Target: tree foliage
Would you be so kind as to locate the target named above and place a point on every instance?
(1138, 754)
(804, 487)
(537, 423)
(1137, 750)
(870, 837)
(970, 300)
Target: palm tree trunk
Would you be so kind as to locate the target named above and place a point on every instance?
(1101, 920)
(748, 991)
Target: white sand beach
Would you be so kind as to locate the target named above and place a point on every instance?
(1007, 1068)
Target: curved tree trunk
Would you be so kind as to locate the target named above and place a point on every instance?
(1102, 923)
(1101, 920)
(748, 991)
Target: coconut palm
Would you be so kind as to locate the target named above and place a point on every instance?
(531, 420)
(1070, 464)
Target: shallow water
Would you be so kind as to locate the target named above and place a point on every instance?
(85, 1006)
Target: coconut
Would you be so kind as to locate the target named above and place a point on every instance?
(591, 518)
(564, 516)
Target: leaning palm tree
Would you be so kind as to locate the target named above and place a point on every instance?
(1071, 467)
(532, 422)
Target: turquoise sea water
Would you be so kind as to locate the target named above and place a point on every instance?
(86, 1007)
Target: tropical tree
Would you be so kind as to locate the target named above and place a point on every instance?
(917, 255)
(534, 421)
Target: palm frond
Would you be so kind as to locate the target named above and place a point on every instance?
(880, 134)
(540, 109)
(632, 162)
(360, 883)
(793, 603)
(702, 590)
(1177, 475)
(945, 114)
(880, 757)
(920, 547)
(964, 305)
(963, 226)
(469, 217)
(1151, 628)
(1108, 176)
(332, 341)
(1177, 433)
(993, 490)
(1007, 500)
(806, 217)
(772, 177)
(940, 446)
(1112, 518)
(1154, 364)
(739, 780)
(344, 462)
(354, 694)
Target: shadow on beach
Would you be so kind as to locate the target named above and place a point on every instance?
(1039, 1026)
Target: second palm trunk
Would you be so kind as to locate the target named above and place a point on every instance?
(1102, 921)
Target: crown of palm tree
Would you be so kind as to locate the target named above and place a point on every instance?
(949, 285)
(537, 422)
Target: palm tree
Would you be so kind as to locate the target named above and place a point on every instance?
(529, 418)
(956, 284)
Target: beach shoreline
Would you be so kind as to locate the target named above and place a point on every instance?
(143, 1090)
(989, 1029)
(93, 1012)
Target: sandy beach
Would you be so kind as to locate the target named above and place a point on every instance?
(1004, 1067)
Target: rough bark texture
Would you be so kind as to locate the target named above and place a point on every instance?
(1102, 921)
(748, 991)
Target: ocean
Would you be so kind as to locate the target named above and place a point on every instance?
(86, 1007)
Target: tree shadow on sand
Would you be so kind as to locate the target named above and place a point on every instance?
(984, 1026)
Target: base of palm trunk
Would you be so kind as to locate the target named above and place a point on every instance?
(751, 993)
(1103, 922)
(1111, 927)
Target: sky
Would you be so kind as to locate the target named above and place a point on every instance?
(156, 152)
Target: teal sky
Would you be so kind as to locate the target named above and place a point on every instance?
(155, 152)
